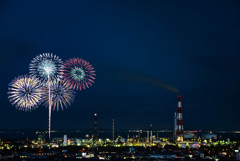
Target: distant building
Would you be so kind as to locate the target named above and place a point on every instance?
(65, 141)
(189, 135)
(41, 136)
(238, 155)
(164, 155)
(210, 136)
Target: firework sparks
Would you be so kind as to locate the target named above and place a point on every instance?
(62, 95)
(25, 92)
(78, 73)
(46, 66)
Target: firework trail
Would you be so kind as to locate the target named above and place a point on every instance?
(25, 92)
(79, 73)
(62, 95)
(47, 67)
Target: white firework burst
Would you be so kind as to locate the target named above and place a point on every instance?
(25, 92)
(46, 67)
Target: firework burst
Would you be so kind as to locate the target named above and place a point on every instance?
(62, 95)
(25, 92)
(46, 67)
(78, 73)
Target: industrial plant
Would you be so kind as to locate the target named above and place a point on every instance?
(145, 144)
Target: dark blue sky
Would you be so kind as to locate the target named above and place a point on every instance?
(144, 53)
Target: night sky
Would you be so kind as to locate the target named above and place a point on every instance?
(145, 53)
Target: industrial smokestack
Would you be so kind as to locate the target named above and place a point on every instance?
(179, 120)
(113, 130)
(95, 127)
(175, 127)
(151, 135)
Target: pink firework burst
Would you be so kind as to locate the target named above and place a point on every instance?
(79, 73)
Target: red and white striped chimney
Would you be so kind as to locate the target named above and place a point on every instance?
(179, 120)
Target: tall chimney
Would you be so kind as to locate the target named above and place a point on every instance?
(179, 120)
(95, 136)
(175, 127)
(151, 134)
(113, 130)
